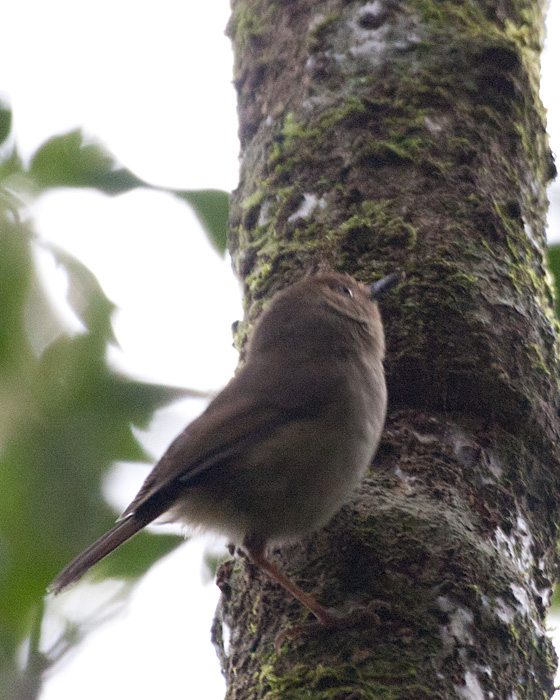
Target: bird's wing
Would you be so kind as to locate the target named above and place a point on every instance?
(219, 434)
(242, 414)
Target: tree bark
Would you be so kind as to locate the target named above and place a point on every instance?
(409, 135)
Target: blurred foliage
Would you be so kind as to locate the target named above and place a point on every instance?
(69, 160)
(65, 415)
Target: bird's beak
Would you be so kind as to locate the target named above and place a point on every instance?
(385, 284)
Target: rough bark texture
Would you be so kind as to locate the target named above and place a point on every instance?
(409, 135)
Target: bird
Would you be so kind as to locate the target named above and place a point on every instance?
(282, 447)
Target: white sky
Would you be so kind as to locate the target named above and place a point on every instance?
(153, 82)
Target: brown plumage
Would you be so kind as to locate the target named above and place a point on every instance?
(281, 448)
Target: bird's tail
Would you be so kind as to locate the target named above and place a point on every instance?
(122, 531)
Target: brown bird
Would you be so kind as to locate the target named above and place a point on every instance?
(282, 447)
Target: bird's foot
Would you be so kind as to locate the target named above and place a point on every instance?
(355, 619)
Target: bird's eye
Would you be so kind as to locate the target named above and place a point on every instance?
(345, 290)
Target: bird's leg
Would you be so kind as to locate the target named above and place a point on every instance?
(255, 549)
(304, 598)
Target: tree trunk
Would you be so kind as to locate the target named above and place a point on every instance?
(409, 135)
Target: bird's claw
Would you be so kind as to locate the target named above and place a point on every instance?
(359, 617)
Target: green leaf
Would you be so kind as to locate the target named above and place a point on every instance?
(16, 269)
(212, 209)
(5, 121)
(11, 167)
(69, 160)
(85, 294)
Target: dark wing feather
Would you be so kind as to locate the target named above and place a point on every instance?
(215, 437)
(251, 407)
